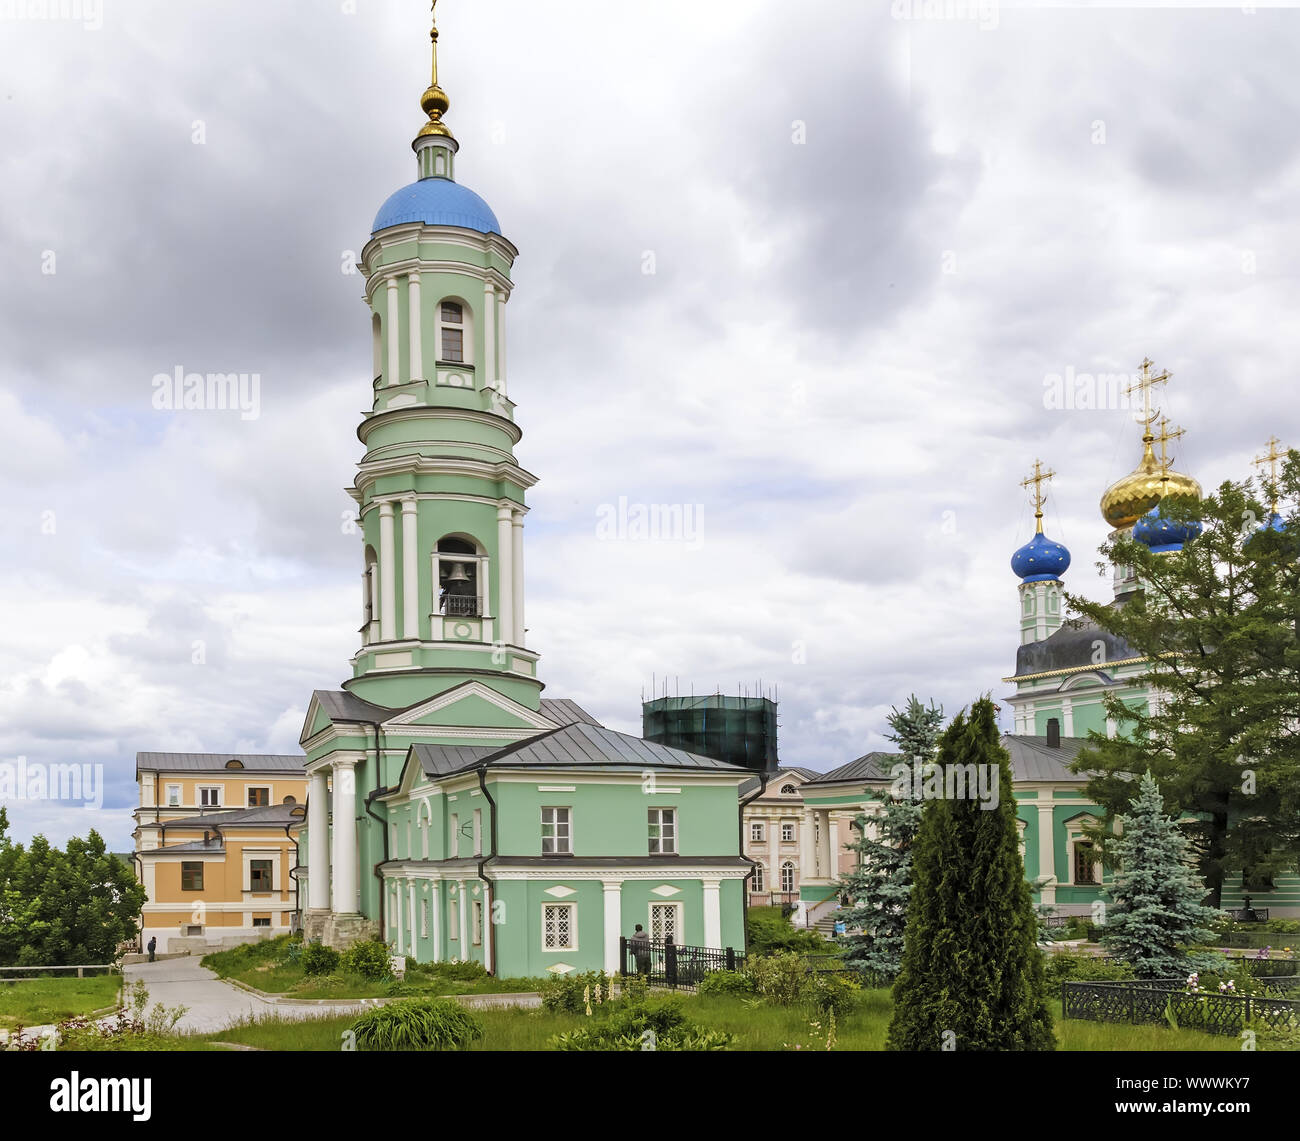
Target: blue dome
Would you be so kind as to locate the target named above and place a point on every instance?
(1040, 559)
(437, 202)
(1275, 522)
(1163, 535)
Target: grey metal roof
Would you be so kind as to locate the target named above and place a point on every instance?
(214, 849)
(1073, 645)
(216, 762)
(565, 712)
(870, 767)
(1032, 759)
(271, 815)
(667, 863)
(340, 705)
(580, 745)
(751, 786)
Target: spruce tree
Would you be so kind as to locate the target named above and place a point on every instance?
(1156, 908)
(972, 976)
(882, 882)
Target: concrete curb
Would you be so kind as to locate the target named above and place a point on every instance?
(519, 998)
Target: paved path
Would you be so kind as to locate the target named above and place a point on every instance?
(214, 1004)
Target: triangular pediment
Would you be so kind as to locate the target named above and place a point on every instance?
(471, 705)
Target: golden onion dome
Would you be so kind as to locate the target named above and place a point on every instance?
(1128, 499)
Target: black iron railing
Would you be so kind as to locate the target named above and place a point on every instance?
(1248, 914)
(667, 964)
(461, 605)
(1163, 1000)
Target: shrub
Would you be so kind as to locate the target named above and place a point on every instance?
(417, 1024)
(657, 1023)
(369, 958)
(1283, 926)
(767, 932)
(317, 959)
(470, 970)
(830, 993)
(726, 982)
(566, 992)
(1075, 965)
(778, 979)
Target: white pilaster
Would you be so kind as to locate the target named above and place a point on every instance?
(774, 853)
(501, 343)
(410, 570)
(806, 859)
(345, 830)
(463, 897)
(1046, 850)
(1067, 717)
(828, 847)
(318, 843)
(435, 929)
(489, 944)
(517, 570)
(417, 336)
(397, 902)
(392, 374)
(489, 335)
(387, 575)
(613, 924)
(505, 575)
(712, 914)
(410, 915)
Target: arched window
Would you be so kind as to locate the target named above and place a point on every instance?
(758, 879)
(453, 329)
(370, 599)
(377, 337)
(458, 581)
(787, 876)
(787, 790)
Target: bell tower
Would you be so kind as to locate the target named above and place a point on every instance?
(440, 495)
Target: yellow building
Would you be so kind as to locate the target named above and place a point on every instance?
(216, 847)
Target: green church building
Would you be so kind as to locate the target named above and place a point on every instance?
(452, 810)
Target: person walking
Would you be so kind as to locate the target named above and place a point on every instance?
(639, 944)
(153, 946)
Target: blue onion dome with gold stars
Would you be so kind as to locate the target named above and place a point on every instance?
(1040, 559)
(1162, 534)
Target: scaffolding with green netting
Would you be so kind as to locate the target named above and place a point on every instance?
(739, 730)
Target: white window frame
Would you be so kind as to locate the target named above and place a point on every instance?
(466, 327)
(789, 790)
(218, 789)
(794, 876)
(168, 796)
(478, 831)
(655, 817)
(573, 927)
(250, 787)
(424, 917)
(756, 884)
(476, 922)
(788, 834)
(757, 831)
(453, 837)
(677, 920)
(568, 824)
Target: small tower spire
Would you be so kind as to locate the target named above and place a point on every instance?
(1039, 496)
(435, 145)
(1166, 464)
(1271, 457)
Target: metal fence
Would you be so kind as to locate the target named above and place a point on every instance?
(80, 970)
(1159, 1000)
(667, 964)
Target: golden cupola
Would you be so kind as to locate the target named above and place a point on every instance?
(1126, 500)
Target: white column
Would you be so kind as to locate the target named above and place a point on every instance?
(613, 924)
(1067, 717)
(517, 570)
(489, 945)
(387, 575)
(505, 575)
(712, 914)
(410, 570)
(828, 847)
(318, 843)
(393, 373)
(501, 342)
(774, 853)
(417, 347)
(464, 913)
(1046, 850)
(435, 930)
(489, 335)
(807, 861)
(410, 915)
(398, 905)
(345, 832)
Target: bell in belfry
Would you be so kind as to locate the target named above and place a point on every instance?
(458, 573)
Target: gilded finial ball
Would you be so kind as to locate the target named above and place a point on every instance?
(435, 102)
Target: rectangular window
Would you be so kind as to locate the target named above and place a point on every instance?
(453, 345)
(665, 922)
(663, 831)
(478, 831)
(756, 832)
(476, 917)
(559, 927)
(259, 875)
(557, 836)
(192, 876)
(173, 796)
(1084, 862)
(210, 796)
(787, 833)
(453, 837)
(259, 798)
(261, 921)
(424, 919)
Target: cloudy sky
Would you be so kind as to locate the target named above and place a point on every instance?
(877, 230)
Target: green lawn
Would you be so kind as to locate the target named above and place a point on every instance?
(756, 1028)
(37, 1002)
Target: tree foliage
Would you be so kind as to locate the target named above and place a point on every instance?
(881, 883)
(972, 975)
(62, 907)
(1219, 623)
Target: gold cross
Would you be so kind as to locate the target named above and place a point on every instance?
(1271, 457)
(1145, 383)
(1163, 439)
(1039, 478)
